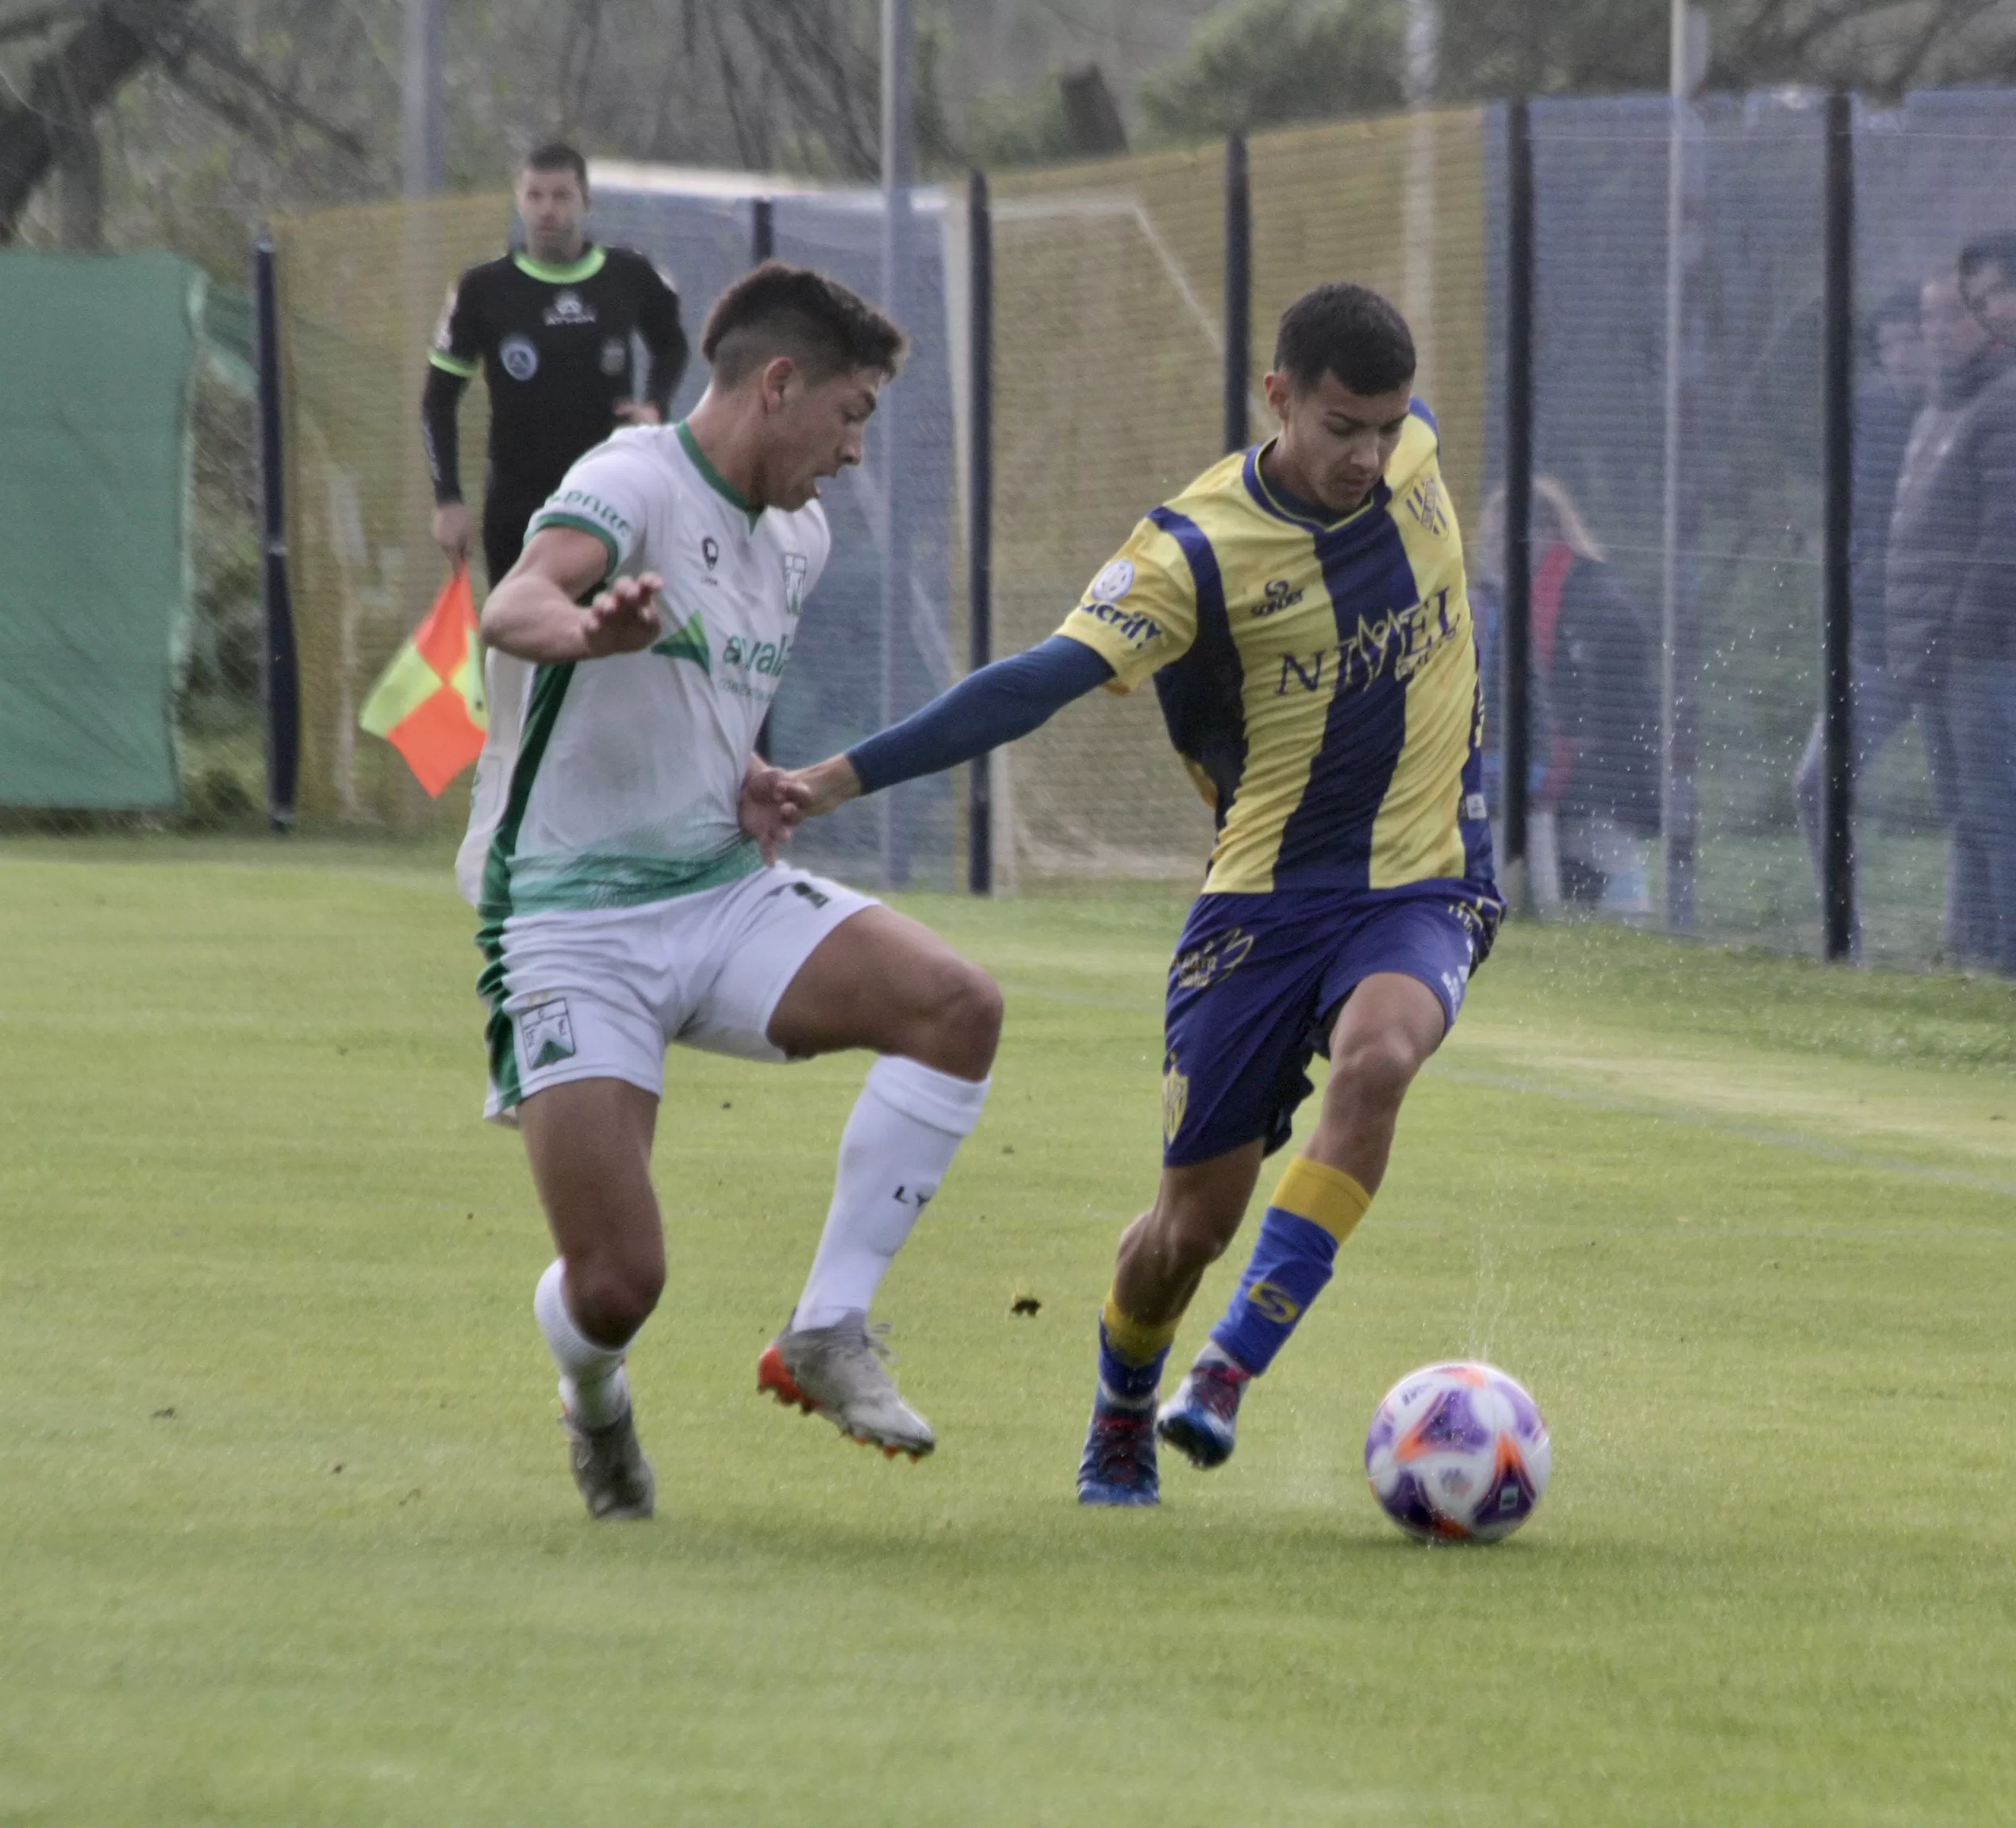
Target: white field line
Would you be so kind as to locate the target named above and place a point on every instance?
(1693, 1117)
(1768, 1136)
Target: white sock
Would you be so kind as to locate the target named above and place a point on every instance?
(907, 1126)
(593, 1388)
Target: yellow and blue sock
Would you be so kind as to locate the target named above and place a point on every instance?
(1314, 1210)
(1131, 1356)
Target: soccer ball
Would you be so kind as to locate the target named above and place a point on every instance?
(1457, 1454)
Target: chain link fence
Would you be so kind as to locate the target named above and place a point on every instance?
(220, 729)
(1681, 473)
(1109, 342)
(361, 288)
(1681, 606)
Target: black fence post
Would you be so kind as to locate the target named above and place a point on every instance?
(280, 682)
(980, 514)
(1515, 633)
(763, 246)
(1837, 442)
(1238, 290)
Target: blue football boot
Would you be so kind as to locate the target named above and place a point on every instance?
(1200, 1420)
(1118, 1466)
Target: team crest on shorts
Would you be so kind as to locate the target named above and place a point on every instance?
(1219, 954)
(1176, 1100)
(546, 1034)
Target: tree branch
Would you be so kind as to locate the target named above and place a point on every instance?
(750, 139)
(1954, 16)
(32, 24)
(200, 42)
(74, 80)
(797, 45)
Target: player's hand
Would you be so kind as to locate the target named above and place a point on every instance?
(827, 785)
(623, 619)
(638, 413)
(451, 530)
(773, 802)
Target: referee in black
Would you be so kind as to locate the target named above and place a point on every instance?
(555, 329)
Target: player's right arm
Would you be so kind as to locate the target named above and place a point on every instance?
(1138, 614)
(564, 600)
(537, 614)
(450, 363)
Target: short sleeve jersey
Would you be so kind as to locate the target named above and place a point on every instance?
(617, 781)
(1318, 676)
(555, 347)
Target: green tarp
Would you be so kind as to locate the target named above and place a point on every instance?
(94, 366)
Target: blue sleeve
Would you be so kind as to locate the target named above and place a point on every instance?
(986, 710)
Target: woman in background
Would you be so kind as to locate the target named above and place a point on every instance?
(1593, 790)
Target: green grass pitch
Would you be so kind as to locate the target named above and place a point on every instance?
(286, 1535)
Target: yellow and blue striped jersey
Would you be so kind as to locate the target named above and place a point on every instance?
(1318, 676)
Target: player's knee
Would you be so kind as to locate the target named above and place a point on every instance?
(1196, 1233)
(979, 1002)
(1372, 1071)
(613, 1292)
(964, 1020)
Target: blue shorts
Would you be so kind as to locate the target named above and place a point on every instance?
(1257, 983)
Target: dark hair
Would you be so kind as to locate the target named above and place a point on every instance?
(774, 310)
(1347, 331)
(556, 155)
(1996, 250)
(1900, 305)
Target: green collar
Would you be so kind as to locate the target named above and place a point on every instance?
(716, 481)
(586, 267)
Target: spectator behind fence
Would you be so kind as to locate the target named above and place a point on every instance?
(1593, 708)
(1886, 405)
(1985, 618)
(1952, 538)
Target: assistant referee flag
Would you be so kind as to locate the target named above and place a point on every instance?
(428, 703)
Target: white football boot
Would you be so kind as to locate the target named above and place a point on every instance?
(837, 1370)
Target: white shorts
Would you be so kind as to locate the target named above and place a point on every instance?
(601, 994)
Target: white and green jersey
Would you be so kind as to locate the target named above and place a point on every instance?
(612, 782)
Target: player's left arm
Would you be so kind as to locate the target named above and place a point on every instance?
(664, 342)
(1138, 614)
(997, 704)
(773, 801)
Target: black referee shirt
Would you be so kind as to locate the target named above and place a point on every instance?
(555, 345)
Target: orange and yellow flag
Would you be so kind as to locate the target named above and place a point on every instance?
(428, 703)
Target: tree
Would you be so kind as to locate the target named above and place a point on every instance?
(81, 54)
(1497, 48)
(220, 111)
(1264, 63)
(1254, 64)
